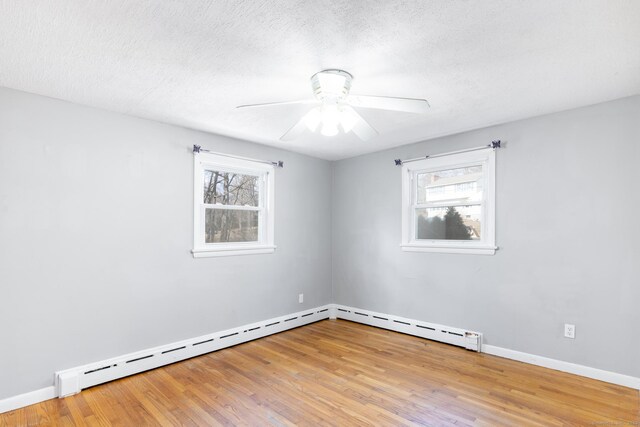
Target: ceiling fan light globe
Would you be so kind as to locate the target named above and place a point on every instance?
(312, 119)
(330, 115)
(348, 119)
(329, 129)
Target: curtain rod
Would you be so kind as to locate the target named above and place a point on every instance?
(199, 149)
(494, 144)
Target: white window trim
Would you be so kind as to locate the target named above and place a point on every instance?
(487, 244)
(265, 243)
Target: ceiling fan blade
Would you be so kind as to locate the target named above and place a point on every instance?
(406, 105)
(272, 104)
(361, 127)
(295, 131)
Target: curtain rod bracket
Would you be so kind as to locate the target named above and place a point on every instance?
(495, 144)
(196, 148)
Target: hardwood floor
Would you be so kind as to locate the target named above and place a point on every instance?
(342, 373)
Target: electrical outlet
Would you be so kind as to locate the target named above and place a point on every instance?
(301, 298)
(569, 330)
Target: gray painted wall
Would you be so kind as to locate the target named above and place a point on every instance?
(96, 228)
(567, 227)
(95, 233)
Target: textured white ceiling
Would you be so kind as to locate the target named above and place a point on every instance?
(191, 62)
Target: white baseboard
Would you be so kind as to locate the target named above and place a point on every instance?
(451, 335)
(26, 399)
(559, 365)
(73, 380)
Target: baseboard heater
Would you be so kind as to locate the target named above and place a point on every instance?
(455, 336)
(72, 381)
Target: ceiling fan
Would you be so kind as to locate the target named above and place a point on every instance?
(334, 107)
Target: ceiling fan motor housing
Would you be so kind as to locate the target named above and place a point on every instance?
(331, 86)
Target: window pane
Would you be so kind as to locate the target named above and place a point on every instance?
(449, 223)
(461, 184)
(226, 225)
(228, 188)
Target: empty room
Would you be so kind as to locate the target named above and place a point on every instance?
(339, 213)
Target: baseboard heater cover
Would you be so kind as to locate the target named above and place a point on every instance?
(72, 381)
(468, 339)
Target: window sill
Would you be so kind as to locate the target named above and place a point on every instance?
(475, 250)
(231, 251)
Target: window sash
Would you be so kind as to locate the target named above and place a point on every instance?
(446, 205)
(262, 178)
(413, 239)
(414, 231)
(233, 207)
(261, 229)
(262, 235)
(416, 172)
(260, 208)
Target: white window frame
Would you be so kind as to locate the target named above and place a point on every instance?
(487, 244)
(265, 172)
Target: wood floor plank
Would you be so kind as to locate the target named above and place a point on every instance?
(342, 373)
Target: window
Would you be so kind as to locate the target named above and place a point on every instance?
(233, 206)
(448, 203)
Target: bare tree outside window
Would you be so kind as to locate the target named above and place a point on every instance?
(231, 189)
